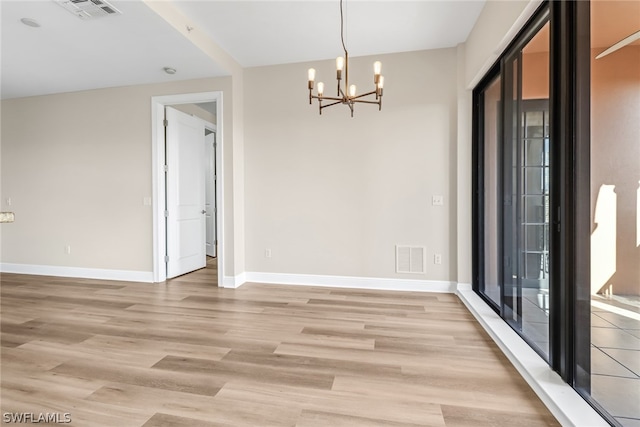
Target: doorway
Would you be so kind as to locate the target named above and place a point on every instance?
(159, 184)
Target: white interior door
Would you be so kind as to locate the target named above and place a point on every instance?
(185, 211)
(210, 191)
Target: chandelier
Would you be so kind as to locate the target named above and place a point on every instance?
(346, 94)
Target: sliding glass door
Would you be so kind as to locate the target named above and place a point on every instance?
(515, 151)
(526, 188)
(557, 196)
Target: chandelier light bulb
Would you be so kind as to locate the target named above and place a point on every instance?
(379, 86)
(352, 90)
(312, 74)
(320, 88)
(339, 63)
(377, 67)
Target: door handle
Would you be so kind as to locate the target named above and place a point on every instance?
(203, 211)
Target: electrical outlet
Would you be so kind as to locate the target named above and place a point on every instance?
(267, 253)
(437, 259)
(437, 200)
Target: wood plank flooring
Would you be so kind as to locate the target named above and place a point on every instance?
(187, 353)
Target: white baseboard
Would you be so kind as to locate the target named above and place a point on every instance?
(351, 282)
(84, 273)
(234, 281)
(569, 408)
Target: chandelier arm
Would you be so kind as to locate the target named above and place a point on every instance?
(327, 98)
(363, 95)
(333, 103)
(361, 101)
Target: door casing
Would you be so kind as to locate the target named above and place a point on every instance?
(158, 180)
(210, 180)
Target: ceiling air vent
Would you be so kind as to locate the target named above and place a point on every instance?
(89, 9)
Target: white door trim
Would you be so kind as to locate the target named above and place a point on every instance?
(158, 182)
(212, 128)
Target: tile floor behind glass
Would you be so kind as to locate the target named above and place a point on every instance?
(535, 317)
(615, 359)
(615, 351)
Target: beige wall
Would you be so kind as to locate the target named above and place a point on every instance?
(77, 167)
(333, 195)
(461, 152)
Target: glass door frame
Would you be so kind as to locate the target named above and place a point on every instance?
(571, 231)
(537, 21)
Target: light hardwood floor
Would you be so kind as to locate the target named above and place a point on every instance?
(186, 353)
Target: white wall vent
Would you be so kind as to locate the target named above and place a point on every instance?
(410, 259)
(89, 9)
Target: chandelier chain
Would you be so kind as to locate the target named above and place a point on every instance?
(342, 29)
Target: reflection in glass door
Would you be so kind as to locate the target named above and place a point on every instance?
(535, 222)
(614, 335)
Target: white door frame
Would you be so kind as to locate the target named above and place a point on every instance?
(213, 128)
(158, 179)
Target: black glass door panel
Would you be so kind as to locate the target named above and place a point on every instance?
(525, 191)
(492, 134)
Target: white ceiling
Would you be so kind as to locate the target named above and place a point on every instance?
(278, 32)
(69, 54)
